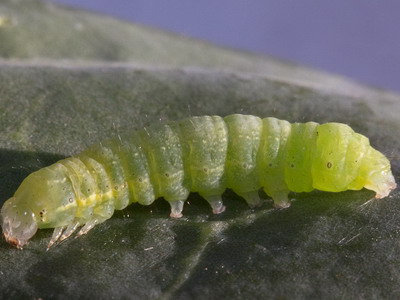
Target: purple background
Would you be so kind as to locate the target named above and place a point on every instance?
(356, 38)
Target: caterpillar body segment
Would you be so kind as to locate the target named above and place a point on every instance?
(201, 154)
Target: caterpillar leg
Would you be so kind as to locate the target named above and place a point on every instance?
(56, 235)
(252, 198)
(69, 231)
(176, 208)
(62, 233)
(281, 199)
(88, 226)
(216, 203)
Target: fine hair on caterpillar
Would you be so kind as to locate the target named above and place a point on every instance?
(205, 154)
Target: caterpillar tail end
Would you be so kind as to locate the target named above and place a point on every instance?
(18, 225)
(377, 174)
(381, 181)
(383, 186)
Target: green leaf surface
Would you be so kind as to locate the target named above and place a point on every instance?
(70, 78)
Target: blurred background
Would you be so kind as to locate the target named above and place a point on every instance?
(359, 39)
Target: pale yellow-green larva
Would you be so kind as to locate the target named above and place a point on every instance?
(204, 154)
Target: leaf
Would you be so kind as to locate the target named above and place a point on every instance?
(62, 91)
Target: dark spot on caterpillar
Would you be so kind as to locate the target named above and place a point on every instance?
(140, 180)
(42, 212)
(205, 170)
(244, 166)
(292, 165)
(88, 190)
(70, 200)
(329, 165)
(116, 188)
(270, 165)
(166, 175)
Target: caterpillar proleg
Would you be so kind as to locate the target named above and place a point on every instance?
(205, 154)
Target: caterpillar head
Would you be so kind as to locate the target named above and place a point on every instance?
(45, 199)
(18, 224)
(379, 177)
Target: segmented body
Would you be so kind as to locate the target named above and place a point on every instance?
(206, 155)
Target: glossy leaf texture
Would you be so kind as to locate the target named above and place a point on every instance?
(69, 79)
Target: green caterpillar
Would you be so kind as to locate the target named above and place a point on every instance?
(204, 154)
